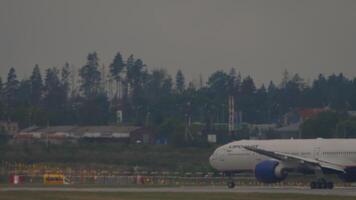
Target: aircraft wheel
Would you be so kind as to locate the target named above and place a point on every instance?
(323, 185)
(313, 185)
(330, 185)
(230, 184)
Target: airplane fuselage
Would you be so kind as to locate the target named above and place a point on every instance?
(233, 157)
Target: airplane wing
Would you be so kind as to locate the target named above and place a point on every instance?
(302, 160)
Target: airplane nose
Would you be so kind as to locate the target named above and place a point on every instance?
(212, 160)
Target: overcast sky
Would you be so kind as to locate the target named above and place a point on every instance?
(258, 38)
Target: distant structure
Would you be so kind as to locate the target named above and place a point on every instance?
(60, 134)
(188, 123)
(8, 127)
(307, 113)
(119, 117)
(351, 113)
(232, 114)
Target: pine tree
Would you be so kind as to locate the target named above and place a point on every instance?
(167, 86)
(352, 98)
(36, 86)
(52, 84)
(136, 71)
(1, 85)
(234, 82)
(1, 89)
(271, 87)
(180, 82)
(129, 75)
(298, 81)
(248, 86)
(29, 114)
(129, 68)
(65, 76)
(1, 100)
(285, 78)
(55, 96)
(261, 104)
(90, 76)
(116, 68)
(10, 94)
(65, 86)
(201, 81)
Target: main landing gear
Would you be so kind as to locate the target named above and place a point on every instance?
(321, 184)
(230, 184)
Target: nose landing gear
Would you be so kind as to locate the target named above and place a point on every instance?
(321, 184)
(230, 182)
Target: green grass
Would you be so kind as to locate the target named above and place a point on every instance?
(159, 196)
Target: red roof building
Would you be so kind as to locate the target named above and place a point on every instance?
(306, 113)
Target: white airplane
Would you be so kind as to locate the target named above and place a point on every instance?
(271, 160)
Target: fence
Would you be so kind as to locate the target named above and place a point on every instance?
(139, 180)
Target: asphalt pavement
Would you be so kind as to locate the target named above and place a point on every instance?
(347, 191)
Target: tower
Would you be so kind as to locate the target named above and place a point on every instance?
(232, 114)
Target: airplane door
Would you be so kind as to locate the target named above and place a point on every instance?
(316, 152)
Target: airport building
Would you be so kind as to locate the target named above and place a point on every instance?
(60, 134)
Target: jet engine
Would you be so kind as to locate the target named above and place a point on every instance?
(270, 171)
(349, 176)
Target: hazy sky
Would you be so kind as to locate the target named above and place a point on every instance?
(258, 38)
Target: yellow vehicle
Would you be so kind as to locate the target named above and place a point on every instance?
(54, 179)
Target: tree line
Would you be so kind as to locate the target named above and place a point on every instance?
(92, 96)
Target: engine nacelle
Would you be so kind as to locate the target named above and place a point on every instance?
(349, 176)
(270, 171)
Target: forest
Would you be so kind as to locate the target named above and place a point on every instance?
(92, 95)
